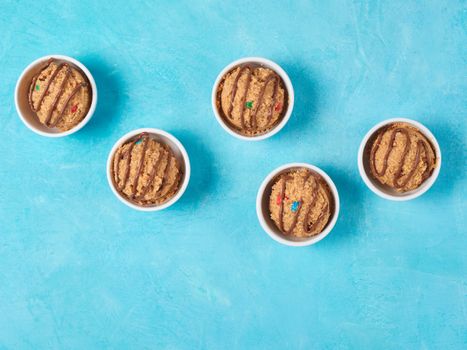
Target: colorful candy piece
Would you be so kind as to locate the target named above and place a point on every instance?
(249, 104)
(279, 199)
(295, 206)
(74, 108)
(140, 138)
(278, 107)
(37, 87)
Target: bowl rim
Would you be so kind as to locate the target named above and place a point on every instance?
(279, 237)
(288, 85)
(87, 117)
(378, 190)
(180, 147)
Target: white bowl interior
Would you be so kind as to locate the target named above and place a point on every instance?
(179, 152)
(289, 90)
(384, 190)
(263, 207)
(22, 97)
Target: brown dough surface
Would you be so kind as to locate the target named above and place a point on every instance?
(401, 157)
(315, 208)
(145, 171)
(60, 95)
(259, 103)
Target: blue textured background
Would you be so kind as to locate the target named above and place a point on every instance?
(79, 270)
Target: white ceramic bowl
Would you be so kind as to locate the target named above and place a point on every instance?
(382, 190)
(262, 207)
(22, 91)
(288, 85)
(179, 152)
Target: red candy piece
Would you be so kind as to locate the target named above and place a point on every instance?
(278, 107)
(279, 199)
(74, 108)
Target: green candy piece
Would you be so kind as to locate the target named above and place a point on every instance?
(249, 104)
(37, 87)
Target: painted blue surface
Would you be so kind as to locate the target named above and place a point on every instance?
(79, 270)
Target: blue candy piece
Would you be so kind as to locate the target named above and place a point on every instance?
(294, 207)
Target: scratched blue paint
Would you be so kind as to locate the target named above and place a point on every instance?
(79, 270)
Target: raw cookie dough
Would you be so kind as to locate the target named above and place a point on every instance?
(60, 95)
(252, 99)
(301, 203)
(145, 171)
(401, 157)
